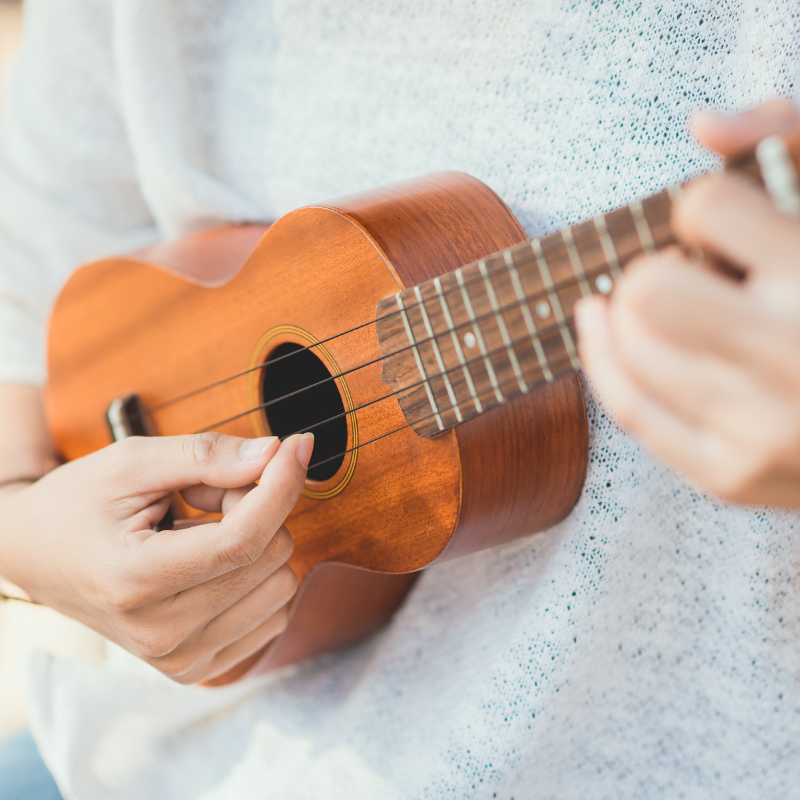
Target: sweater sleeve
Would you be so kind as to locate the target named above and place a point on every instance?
(69, 192)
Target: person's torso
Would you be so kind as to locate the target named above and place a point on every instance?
(648, 645)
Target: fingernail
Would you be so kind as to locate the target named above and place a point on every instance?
(304, 449)
(253, 449)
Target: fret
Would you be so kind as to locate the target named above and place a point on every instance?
(501, 324)
(555, 304)
(779, 175)
(539, 341)
(420, 366)
(642, 228)
(439, 360)
(479, 337)
(575, 260)
(457, 345)
(526, 315)
(607, 243)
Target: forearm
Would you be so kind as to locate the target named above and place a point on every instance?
(26, 452)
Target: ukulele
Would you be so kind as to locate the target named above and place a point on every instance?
(358, 320)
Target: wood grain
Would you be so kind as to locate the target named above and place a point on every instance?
(121, 325)
(523, 465)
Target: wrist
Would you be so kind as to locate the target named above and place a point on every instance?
(14, 484)
(15, 561)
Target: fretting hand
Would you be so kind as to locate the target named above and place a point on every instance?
(705, 370)
(192, 602)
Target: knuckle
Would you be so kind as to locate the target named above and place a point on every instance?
(126, 599)
(706, 200)
(738, 482)
(280, 620)
(237, 551)
(733, 488)
(121, 455)
(644, 288)
(626, 414)
(285, 497)
(281, 546)
(202, 448)
(793, 439)
(183, 678)
(699, 196)
(285, 584)
(634, 353)
(724, 483)
(129, 446)
(156, 643)
(176, 668)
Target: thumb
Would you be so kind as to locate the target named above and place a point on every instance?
(146, 465)
(181, 559)
(248, 528)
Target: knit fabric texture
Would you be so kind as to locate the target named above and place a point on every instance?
(646, 647)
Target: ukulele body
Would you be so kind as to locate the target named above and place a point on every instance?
(186, 315)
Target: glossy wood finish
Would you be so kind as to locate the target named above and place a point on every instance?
(523, 465)
(121, 326)
(502, 326)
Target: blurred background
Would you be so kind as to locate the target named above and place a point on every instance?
(23, 627)
(10, 28)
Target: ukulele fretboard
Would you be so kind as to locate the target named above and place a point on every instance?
(490, 331)
(502, 326)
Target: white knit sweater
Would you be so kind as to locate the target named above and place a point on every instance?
(649, 646)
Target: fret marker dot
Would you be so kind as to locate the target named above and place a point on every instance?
(603, 284)
(469, 340)
(543, 309)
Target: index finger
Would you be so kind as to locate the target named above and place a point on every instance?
(730, 217)
(734, 134)
(180, 559)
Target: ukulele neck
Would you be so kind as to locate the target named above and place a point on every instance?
(490, 331)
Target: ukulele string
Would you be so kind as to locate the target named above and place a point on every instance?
(527, 300)
(478, 279)
(489, 392)
(358, 327)
(467, 363)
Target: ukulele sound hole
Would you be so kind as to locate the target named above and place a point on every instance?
(296, 370)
